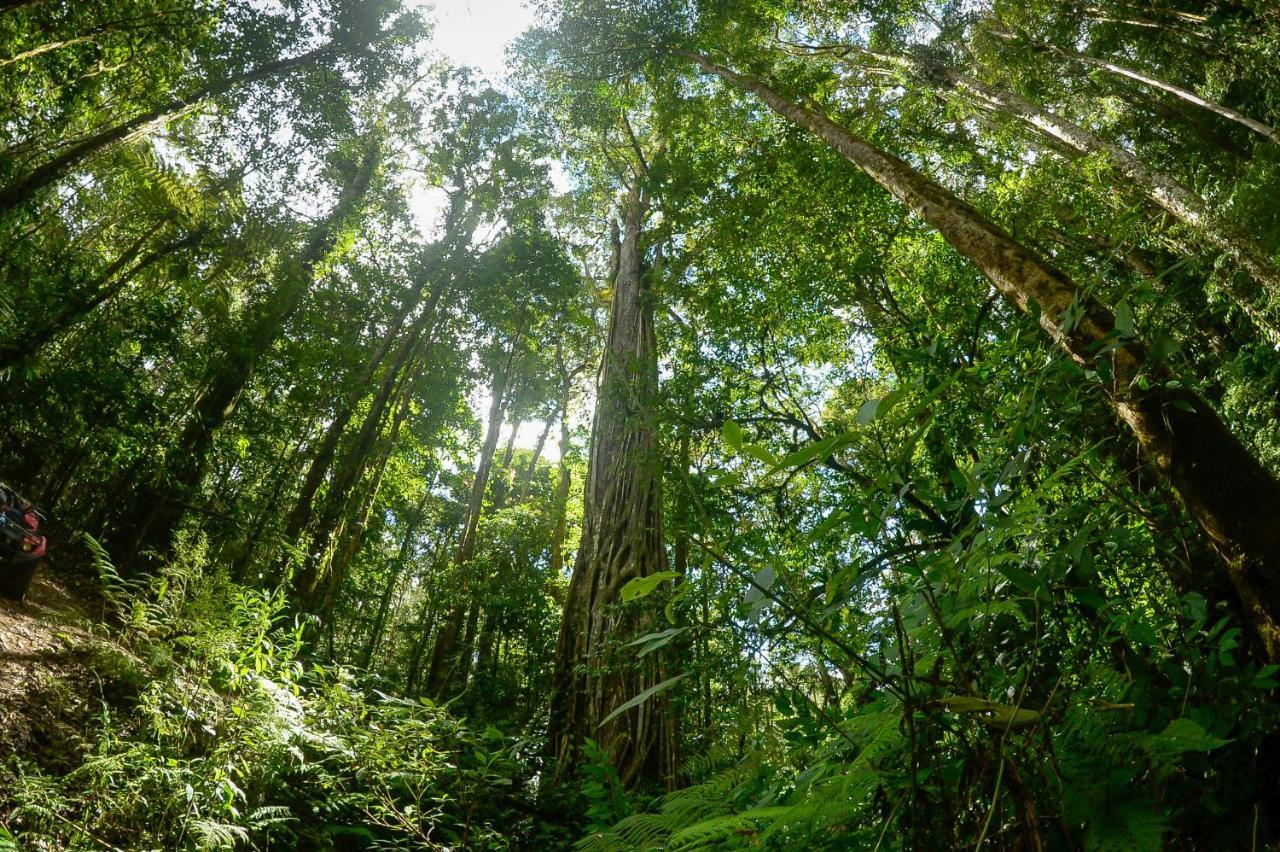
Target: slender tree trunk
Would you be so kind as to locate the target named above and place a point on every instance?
(1187, 95)
(501, 488)
(15, 5)
(307, 582)
(300, 516)
(1229, 494)
(170, 18)
(504, 483)
(42, 331)
(345, 553)
(426, 627)
(162, 503)
(621, 540)
(47, 47)
(427, 616)
(527, 479)
(283, 472)
(560, 502)
(1162, 189)
(22, 189)
(444, 655)
(394, 573)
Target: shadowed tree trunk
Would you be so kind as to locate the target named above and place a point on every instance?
(560, 502)
(621, 540)
(526, 479)
(352, 534)
(1228, 493)
(460, 223)
(1187, 95)
(300, 515)
(1161, 189)
(42, 330)
(395, 572)
(444, 655)
(309, 579)
(22, 189)
(162, 503)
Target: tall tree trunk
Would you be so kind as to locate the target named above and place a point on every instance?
(1187, 95)
(353, 463)
(345, 552)
(395, 571)
(1228, 493)
(282, 473)
(42, 330)
(480, 590)
(504, 483)
(621, 540)
(444, 654)
(526, 480)
(1161, 189)
(300, 516)
(22, 189)
(427, 615)
(162, 503)
(15, 5)
(560, 502)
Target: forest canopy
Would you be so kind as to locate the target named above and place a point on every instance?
(755, 424)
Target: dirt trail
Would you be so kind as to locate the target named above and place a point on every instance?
(46, 685)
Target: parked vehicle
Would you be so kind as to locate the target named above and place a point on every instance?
(21, 546)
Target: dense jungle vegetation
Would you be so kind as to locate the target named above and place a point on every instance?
(745, 425)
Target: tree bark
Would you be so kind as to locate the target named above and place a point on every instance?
(526, 480)
(444, 655)
(21, 190)
(393, 579)
(34, 336)
(352, 464)
(621, 540)
(560, 502)
(1161, 189)
(1264, 130)
(161, 503)
(1228, 493)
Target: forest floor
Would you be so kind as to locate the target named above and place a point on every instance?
(48, 687)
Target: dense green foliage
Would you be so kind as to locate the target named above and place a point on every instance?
(295, 321)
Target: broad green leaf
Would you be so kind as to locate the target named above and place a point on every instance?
(759, 453)
(1024, 580)
(653, 641)
(643, 586)
(993, 714)
(1182, 735)
(1124, 319)
(804, 455)
(643, 697)
(732, 434)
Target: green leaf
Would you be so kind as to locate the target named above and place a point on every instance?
(1024, 580)
(732, 434)
(867, 412)
(1124, 319)
(654, 641)
(643, 697)
(643, 586)
(759, 453)
(804, 455)
(1182, 735)
(992, 713)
